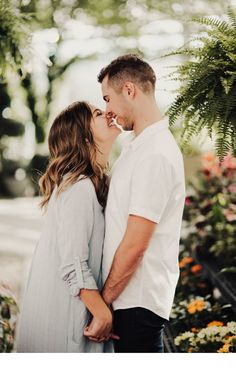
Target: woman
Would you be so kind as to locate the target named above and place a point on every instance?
(62, 294)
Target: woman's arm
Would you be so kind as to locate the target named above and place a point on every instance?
(75, 226)
(101, 325)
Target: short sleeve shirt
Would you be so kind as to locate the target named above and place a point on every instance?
(148, 181)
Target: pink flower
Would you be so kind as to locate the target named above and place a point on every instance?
(187, 201)
(229, 162)
(212, 165)
(230, 216)
(232, 188)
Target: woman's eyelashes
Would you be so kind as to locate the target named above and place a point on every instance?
(98, 113)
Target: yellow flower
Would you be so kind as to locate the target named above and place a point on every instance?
(196, 306)
(215, 323)
(227, 344)
(224, 349)
(229, 339)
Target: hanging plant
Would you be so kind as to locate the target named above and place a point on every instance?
(206, 97)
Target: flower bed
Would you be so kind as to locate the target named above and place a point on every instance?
(198, 305)
(203, 315)
(210, 213)
(214, 338)
(8, 313)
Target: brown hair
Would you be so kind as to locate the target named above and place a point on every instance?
(72, 152)
(129, 67)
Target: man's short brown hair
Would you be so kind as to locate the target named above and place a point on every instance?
(131, 68)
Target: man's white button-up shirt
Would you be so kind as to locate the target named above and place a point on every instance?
(148, 180)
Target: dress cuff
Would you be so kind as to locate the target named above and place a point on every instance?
(78, 276)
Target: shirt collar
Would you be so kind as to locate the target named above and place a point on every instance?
(134, 141)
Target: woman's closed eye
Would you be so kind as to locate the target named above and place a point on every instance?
(97, 112)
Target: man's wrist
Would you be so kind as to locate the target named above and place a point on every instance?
(107, 298)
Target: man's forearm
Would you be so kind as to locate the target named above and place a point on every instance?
(128, 256)
(125, 263)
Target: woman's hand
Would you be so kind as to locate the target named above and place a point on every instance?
(100, 328)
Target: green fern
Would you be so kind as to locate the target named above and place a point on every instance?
(206, 97)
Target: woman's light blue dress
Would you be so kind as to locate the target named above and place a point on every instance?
(67, 258)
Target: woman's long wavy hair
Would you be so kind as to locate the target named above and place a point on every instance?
(72, 153)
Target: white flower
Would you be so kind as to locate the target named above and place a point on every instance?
(232, 327)
(201, 335)
(184, 336)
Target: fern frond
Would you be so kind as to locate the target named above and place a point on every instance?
(206, 97)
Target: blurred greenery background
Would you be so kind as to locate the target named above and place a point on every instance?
(50, 54)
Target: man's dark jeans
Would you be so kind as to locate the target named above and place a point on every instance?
(140, 331)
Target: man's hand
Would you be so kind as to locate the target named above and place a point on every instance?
(99, 331)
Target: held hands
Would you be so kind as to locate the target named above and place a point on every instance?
(100, 328)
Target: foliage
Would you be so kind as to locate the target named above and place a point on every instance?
(10, 128)
(192, 280)
(8, 312)
(210, 211)
(14, 37)
(199, 307)
(197, 312)
(214, 338)
(207, 95)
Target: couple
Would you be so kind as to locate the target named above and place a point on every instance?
(104, 285)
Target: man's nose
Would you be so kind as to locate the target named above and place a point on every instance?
(110, 114)
(108, 110)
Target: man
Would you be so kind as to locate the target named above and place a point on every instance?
(144, 210)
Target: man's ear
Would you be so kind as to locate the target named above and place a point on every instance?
(129, 88)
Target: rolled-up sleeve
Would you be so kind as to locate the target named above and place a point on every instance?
(75, 229)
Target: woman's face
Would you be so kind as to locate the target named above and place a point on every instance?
(101, 131)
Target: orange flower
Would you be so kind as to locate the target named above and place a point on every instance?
(196, 306)
(196, 269)
(185, 261)
(209, 157)
(211, 163)
(194, 329)
(215, 323)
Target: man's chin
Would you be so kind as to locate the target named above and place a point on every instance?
(128, 129)
(126, 125)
